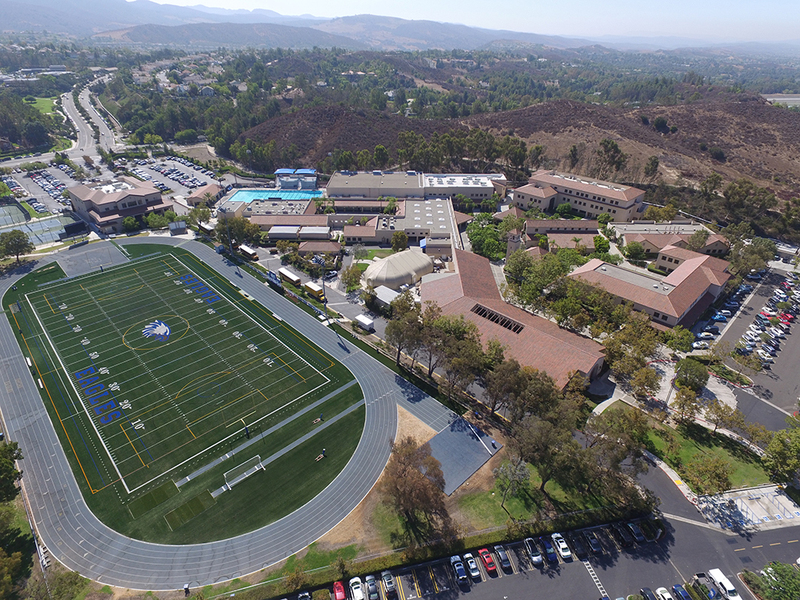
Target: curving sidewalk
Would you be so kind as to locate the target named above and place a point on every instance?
(75, 537)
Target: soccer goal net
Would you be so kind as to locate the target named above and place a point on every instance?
(243, 471)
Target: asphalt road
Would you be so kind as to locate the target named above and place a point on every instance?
(78, 539)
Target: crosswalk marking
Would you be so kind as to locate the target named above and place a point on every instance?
(594, 577)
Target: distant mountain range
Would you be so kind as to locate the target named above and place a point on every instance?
(148, 23)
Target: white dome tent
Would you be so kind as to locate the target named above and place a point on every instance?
(404, 268)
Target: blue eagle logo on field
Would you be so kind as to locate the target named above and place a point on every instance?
(158, 330)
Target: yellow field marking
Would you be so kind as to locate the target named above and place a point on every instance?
(776, 544)
(761, 546)
(241, 419)
(192, 432)
(220, 373)
(131, 443)
(48, 304)
(284, 362)
(792, 542)
(740, 549)
(50, 397)
(221, 407)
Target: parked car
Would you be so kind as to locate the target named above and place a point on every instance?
(726, 313)
(502, 556)
(338, 591)
(663, 594)
(388, 583)
(458, 569)
(593, 541)
(711, 329)
(372, 588)
(621, 535)
(488, 561)
(700, 345)
(356, 589)
(719, 318)
(764, 356)
(576, 545)
(549, 550)
(636, 531)
(561, 546)
(705, 335)
(647, 594)
(533, 552)
(680, 593)
(472, 566)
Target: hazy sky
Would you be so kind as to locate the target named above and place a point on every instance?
(715, 20)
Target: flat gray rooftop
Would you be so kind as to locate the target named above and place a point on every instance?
(462, 449)
(638, 279)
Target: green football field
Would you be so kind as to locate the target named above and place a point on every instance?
(154, 371)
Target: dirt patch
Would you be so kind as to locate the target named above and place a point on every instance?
(358, 527)
(201, 152)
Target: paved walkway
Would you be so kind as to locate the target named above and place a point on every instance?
(75, 537)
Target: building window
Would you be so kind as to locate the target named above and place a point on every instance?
(656, 315)
(663, 317)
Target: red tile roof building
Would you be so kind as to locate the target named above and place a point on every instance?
(677, 299)
(531, 340)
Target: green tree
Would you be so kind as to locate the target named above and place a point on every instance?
(573, 156)
(380, 156)
(601, 244)
(517, 265)
(9, 475)
(359, 252)
(564, 210)
(351, 277)
(510, 477)
(403, 330)
(413, 486)
(10, 571)
(604, 219)
(651, 168)
(697, 241)
(156, 221)
(537, 155)
(15, 242)
(779, 582)
(678, 339)
(645, 382)
(710, 474)
(549, 447)
(610, 157)
(399, 241)
(199, 214)
(719, 414)
(686, 403)
(504, 384)
(782, 455)
(635, 251)
(691, 373)
(130, 224)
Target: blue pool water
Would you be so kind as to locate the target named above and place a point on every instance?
(250, 195)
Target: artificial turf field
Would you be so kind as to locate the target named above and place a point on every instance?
(153, 369)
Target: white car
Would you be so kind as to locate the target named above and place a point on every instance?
(700, 345)
(663, 594)
(776, 331)
(561, 546)
(764, 356)
(356, 589)
(727, 313)
(472, 566)
(755, 328)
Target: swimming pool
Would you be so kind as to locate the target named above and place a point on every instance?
(271, 194)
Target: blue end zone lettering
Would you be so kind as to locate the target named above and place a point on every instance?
(107, 418)
(88, 381)
(104, 407)
(95, 389)
(213, 299)
(202, 289)
(85, 373)
(95, 399)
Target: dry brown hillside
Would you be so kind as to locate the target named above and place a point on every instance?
(760, 142)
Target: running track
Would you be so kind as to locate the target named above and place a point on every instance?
(74, 536)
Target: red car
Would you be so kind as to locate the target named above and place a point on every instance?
(338, 591)
(487, 559)
(786, 316)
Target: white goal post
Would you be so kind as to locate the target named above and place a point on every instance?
(242, 471)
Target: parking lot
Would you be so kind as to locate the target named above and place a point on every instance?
(779, 382)
(614, 572)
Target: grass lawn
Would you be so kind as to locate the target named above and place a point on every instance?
(379, 253)
(170, 410)
(484, 510)
(45, 105)
(33, 213)
(694, 440)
